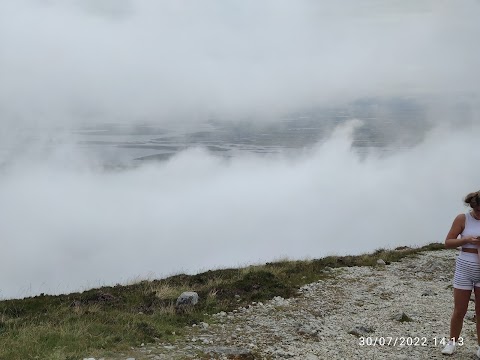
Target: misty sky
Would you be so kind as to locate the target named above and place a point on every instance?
(156, 60)
(67, 224)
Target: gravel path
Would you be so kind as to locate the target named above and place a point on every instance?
(407, 304)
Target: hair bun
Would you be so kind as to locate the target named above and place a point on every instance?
(473, 199)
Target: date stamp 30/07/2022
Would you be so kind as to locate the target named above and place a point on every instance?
(405, 341)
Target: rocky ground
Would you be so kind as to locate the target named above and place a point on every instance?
(396, 311)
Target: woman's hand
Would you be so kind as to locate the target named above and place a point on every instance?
(474, 240)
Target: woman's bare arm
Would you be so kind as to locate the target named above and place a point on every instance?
(452, 241)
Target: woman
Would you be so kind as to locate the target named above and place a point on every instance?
(467, 268)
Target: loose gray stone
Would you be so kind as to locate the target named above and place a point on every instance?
(187, 298)
(361, 330)
(228, 351)
(402, 317)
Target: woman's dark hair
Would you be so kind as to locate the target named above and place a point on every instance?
(473, 199)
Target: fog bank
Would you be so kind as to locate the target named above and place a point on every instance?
(72, 227)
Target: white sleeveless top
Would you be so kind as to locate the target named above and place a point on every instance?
(472, 228)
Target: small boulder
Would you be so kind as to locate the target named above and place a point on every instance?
(186, 301)
(187, 298)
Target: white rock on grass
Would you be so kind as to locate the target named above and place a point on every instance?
(187, 298)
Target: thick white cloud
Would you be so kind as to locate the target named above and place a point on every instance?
(70, 227)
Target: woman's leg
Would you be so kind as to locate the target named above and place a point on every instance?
(460, 299)
(477, 312)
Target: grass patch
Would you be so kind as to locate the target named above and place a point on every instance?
(114, 318)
